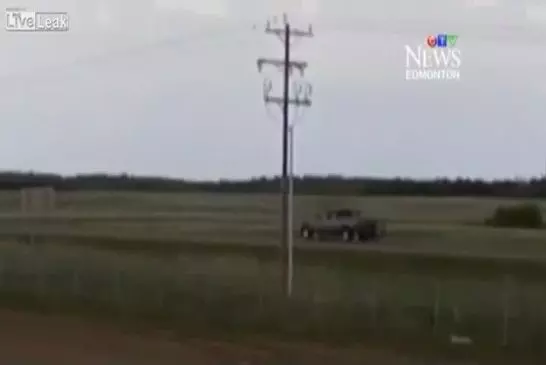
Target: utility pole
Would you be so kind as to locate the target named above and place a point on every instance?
(301, 98)
(290, 208)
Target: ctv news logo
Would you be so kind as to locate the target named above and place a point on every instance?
(20, 20)
(437, 59)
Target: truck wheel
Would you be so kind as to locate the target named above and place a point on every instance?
(306, 233)
(356, 237)
(379, 231)
(347, 235)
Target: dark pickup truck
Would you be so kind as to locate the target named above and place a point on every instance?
(347, 224)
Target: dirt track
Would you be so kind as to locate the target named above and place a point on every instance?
(32, 339)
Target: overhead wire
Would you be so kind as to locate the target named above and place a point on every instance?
(399, 27)
(183, 40)
(498, 33)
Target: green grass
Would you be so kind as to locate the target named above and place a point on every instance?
(425, 234)
(449, 239)
(430, 225)
(396, 208)
(210, 262)
(238, 294)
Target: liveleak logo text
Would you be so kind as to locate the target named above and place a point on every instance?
(437, 59)
(20, 20)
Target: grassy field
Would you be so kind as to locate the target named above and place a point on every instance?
(210, 262)
(419, 225)
(237, 295)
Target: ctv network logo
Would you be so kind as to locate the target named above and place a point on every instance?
(21, 20)
(437, 58)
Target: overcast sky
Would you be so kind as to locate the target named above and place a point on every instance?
(171, 88)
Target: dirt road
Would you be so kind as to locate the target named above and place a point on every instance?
(32, 339)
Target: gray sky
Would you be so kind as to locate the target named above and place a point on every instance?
(171, 88)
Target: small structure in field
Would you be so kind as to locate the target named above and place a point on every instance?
(38, 200)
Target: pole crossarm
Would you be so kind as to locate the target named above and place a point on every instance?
(280, 100)
(281, 32)
(299, 65)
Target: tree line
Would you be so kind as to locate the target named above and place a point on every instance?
(312, 185)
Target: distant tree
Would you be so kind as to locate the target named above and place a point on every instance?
(317, 185)
(517, 216)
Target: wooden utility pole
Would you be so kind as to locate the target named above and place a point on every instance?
(285, 33)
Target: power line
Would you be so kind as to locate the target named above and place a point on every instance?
(108, 56)
(301, 98)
